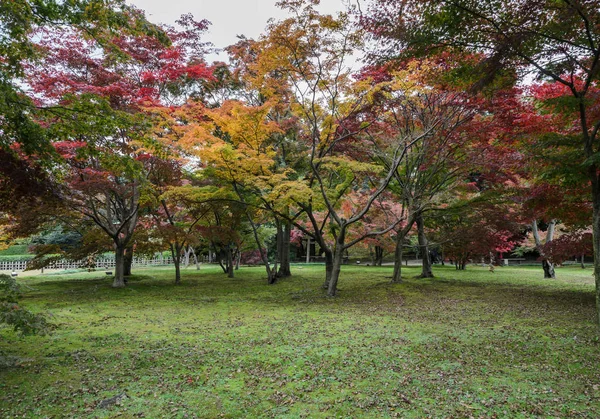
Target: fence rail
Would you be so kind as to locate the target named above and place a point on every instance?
(103, 263)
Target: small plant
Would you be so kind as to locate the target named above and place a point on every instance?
(13, 314)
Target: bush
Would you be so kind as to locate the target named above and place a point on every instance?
(13, 314)
(15, 250)
(15, 258)
(251, 257)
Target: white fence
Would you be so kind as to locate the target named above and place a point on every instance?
(21, 265)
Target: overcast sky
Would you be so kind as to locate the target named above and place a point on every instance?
(228, 17)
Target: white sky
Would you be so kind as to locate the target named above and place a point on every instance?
(228, 17)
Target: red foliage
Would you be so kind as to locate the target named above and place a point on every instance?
(570, 245)
(296, 236)
(480, 229)
(251, 257)
(136, 70)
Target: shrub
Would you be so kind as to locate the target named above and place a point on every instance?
(15, 315)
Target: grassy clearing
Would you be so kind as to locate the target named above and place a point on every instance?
(466, 344)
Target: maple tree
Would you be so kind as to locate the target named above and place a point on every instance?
(22, 138)
(383, 211)
(189, 216)
(552, 182)
(576, 244)
(98, 100)
(205, 140)
(479, 225)
(237, 151)
(441, 159)
(258, 82)
(168, 217)
(558, 40)
(310, 53)
(106, 188)
(142, 131)
(226, 233)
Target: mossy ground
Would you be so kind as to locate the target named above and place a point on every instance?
(465, 344)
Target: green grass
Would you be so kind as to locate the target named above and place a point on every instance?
(465, 344)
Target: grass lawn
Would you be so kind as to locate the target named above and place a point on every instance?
(465, 344)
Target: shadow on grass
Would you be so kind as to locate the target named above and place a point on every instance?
(359, 287)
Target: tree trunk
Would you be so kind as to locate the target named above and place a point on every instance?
(546, 265)
(190, 251)
(218, 257)
(186, 255)
(397, 275)
(220, 262)
(284, 259)
(582, 262)
(128, 260)
(278, 239)
(548, 269)
(398, 256)
(328, 268)
(176, 251)
(378, 255)
(229, 262)
(119, 281)
(177, 263)
(196, 259)
(338, 258)
(426, 271)
(271, 273)
(596, 238)
(238, 259)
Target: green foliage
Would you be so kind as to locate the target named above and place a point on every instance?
(521, 251)
(17, 111)
(12, 314)
(15, 250)
(57, 235)
(98, 20)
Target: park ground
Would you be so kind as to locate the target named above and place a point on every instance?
(464, 344)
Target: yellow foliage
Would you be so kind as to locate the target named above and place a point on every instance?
(288, 192)
(4, 236)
